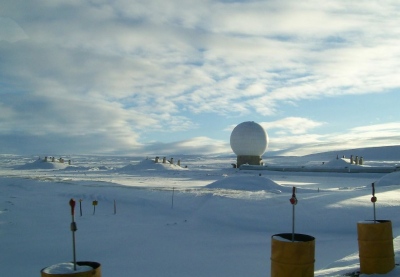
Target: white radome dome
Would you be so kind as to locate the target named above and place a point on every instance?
(249, 139)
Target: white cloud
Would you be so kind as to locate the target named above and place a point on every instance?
(292, 125)
(193, 146)
(359, 137)
(10, 31)
(131, 68)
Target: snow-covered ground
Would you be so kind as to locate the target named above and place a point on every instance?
(206, 219)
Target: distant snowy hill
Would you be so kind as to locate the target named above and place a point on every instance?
(41, 164)
(372, 153)
(383, 153)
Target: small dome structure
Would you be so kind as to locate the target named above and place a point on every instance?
(249, 142)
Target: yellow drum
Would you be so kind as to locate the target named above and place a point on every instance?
(375, 246)
(292, 258)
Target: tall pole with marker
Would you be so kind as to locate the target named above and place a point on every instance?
(293, 201)
(373, 200)
(292, 254)
(73, 229)
(375, 243)
(76, 269)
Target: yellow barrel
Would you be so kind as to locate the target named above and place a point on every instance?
(375, 246)
(292, 258)
(95, 272)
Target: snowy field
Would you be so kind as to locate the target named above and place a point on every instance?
(208, 219)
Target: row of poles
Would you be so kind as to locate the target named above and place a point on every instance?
(293, 200)
(74, 227)
(95, 203)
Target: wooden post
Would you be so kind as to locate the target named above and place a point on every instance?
(173, 191)
(80, 206)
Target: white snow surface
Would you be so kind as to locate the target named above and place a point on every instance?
(247, 183)
(208, 219)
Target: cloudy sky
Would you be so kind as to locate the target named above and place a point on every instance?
(175, 77)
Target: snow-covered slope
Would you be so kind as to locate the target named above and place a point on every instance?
(176, 229)
(391, 179)
(41, 164)
(248, 183)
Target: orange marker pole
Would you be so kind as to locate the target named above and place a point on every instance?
(293, 201)
(373, 200)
